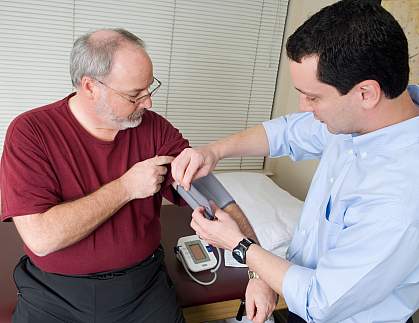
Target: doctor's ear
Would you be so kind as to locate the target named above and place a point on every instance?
(369, 93)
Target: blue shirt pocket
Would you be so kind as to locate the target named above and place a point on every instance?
(328, 234)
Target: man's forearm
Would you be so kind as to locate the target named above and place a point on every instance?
(68, 223)
(270, 268)
(249, 142)
(237, 214)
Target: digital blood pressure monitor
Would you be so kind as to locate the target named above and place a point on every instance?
(197, 254)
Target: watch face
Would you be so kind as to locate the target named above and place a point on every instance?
(238, 255)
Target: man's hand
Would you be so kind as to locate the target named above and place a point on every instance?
(191, 164)
(221, 232)
(260, 300)
(144, 178)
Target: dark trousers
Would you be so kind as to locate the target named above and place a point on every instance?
(292, 318)
(143, 293)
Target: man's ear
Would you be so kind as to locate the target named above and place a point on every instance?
(89, 87)
(369, 93)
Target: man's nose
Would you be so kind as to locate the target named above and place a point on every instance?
(146, 103)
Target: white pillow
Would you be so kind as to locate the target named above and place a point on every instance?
(272, 212)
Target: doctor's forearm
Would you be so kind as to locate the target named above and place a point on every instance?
(249, 142)
(270, 268)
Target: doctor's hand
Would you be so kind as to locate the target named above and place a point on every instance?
(193, 163)
(260, 300)
(222, 232)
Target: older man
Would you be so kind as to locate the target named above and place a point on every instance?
(83, 180)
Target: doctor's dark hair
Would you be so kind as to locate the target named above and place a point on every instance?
(94, 57)
(355, 40)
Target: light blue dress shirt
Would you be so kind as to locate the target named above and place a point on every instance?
(356, 248)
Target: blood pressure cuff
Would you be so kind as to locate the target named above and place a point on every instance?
(213, 190)
(203, 190)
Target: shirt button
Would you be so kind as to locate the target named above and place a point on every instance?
(332, 180)
(303, 232)
(350, 152)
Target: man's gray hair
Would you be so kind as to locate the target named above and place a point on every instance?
(94, 57)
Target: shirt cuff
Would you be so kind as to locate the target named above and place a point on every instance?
(295, 288)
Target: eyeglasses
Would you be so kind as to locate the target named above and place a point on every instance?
(152, 89)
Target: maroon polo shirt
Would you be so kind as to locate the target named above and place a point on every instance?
(49, 158)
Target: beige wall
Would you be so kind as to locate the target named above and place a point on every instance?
(295, 177)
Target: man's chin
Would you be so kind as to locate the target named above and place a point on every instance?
(130, 123)
(331, 130)
(337, 132)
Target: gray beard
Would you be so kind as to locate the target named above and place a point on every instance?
(105, 111)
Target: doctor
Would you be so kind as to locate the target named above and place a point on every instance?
(354, 255)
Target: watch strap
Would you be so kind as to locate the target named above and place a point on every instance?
(246, 243)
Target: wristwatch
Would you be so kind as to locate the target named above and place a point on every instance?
(239, 252)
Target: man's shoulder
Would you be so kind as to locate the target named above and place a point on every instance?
(157, 129)
(40, 114)
(154, 117)
(153, 121)
(30, 124)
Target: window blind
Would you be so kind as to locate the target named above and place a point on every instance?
(218, 59)
(35, 43)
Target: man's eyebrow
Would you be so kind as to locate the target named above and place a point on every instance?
(306, 93)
